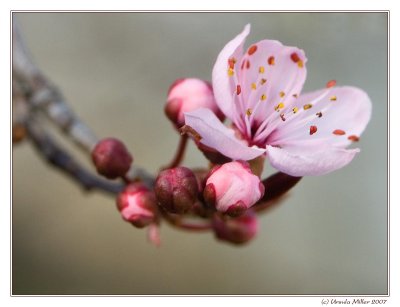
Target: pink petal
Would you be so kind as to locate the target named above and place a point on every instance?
(339, 115)
(274, 70)
(309, 163)
(215, 135)
(223, 84)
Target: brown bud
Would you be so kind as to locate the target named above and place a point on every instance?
(111, 158)
(176, 189)
(236, 230)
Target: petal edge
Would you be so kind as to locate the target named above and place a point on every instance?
(310, 164)
(220, 79)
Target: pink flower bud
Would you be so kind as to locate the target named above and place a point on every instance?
(232, 188)
(111, 158)
(137, 205)
(176, 189)
(236, 230)
(189, 94)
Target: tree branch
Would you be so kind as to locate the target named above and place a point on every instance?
(46, 97)
(33, 92)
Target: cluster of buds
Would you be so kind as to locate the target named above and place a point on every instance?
(269, 120)
(222, 197)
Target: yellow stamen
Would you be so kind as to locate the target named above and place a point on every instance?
(279, 106)
(300, 64)
(307, 106)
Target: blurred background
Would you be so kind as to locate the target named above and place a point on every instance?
(328, 237)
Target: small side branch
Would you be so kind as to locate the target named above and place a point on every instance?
(180, 152)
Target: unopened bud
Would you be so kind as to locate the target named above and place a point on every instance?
(237, 230)
(137, 205)
(111, 158)
(176, 189)
(189, 94)
(232, 188)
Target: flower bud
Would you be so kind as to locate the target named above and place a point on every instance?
(111, 158)
(186, 95)
(237, 230)
(137, 205)
(176, 189)
(232, 188)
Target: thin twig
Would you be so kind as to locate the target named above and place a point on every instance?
(179, 222)
(180, 152)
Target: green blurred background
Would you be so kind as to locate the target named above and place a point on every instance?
(328, 237)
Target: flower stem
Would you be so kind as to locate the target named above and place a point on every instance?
(180, 223)
(179, 154)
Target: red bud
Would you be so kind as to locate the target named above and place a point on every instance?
(111, 158)
(137, 205)
(176, 189)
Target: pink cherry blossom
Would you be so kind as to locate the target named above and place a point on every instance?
(260, 92)
(232, 188)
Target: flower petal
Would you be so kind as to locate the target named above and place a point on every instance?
(223, 85)
(339, 116)
(309, 163)
(215, 135)
(271, 76)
